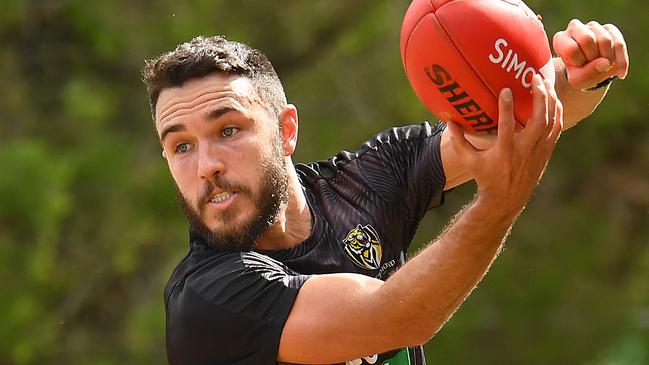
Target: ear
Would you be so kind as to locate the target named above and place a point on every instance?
(288, 129)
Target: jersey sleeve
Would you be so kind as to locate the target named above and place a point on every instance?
(230, 309)
(407, 163)
(389, 182)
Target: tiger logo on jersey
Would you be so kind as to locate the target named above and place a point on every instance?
(363, 247)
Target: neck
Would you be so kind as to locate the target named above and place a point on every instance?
(295, 222)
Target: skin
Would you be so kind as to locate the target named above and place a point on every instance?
(216, 128)
(224, 131)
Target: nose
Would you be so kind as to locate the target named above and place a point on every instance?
(210, 161)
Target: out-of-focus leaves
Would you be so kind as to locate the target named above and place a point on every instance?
(90, 230)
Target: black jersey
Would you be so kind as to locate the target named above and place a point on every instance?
(366, 207)
(227, 307)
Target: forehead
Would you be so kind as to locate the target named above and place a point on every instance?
(211, 91)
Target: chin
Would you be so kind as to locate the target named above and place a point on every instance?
(228, 224)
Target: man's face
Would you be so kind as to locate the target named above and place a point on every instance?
(225, 155)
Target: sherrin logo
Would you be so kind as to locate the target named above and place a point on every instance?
(514, 63)
(363, 247)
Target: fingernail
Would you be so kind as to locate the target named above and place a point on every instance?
(603, 66)
(507, 94)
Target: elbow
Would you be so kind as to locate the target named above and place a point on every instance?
(409, 326)
(420, 329)
(420, 337)
(412, 333)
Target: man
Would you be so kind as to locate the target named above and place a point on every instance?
(276, 249)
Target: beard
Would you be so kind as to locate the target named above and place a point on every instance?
(268, 200)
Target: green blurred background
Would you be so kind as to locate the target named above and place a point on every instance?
(90, 230)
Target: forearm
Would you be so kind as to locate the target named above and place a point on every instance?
(577, 104)
(431, 286)
(408, 308)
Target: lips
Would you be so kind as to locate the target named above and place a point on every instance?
(220, 194)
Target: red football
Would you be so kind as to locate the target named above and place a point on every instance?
(459, 54)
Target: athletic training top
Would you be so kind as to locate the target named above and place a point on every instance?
(226, 307)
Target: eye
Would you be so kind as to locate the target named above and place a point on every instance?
(183, 147)
(230, 131)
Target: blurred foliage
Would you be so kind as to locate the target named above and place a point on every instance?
(90, 230)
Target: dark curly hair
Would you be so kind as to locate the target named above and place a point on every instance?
(206, 55)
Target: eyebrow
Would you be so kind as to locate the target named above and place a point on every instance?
(210, 116)
(217, 113)
(171, 129)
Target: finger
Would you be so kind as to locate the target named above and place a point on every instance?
(463, 148)
(590, 74)
(604, 41)
(552, 102)
(537, 123)
(620, 49)
(506, 120)
(558, 124)
(546, 146)
(568, 49)
(585, 38)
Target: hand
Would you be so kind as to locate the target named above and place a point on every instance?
(591, 53)
(508, 172)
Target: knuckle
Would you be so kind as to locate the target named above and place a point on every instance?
(586, 38)
(574, 23)
(606, 40)
(573, 53)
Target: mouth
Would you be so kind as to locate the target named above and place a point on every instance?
(220, 197)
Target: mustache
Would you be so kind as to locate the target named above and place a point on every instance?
(222, 184)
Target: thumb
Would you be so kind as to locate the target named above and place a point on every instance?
(589, 74)
(463, 148)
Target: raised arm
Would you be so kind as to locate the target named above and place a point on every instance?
(340, 317)
(589, 56)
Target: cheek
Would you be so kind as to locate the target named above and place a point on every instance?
(244, 163)
(244, 155)
(184, 175)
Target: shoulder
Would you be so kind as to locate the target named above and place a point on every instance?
(393, 142)
(232, 281)
(221, 300)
